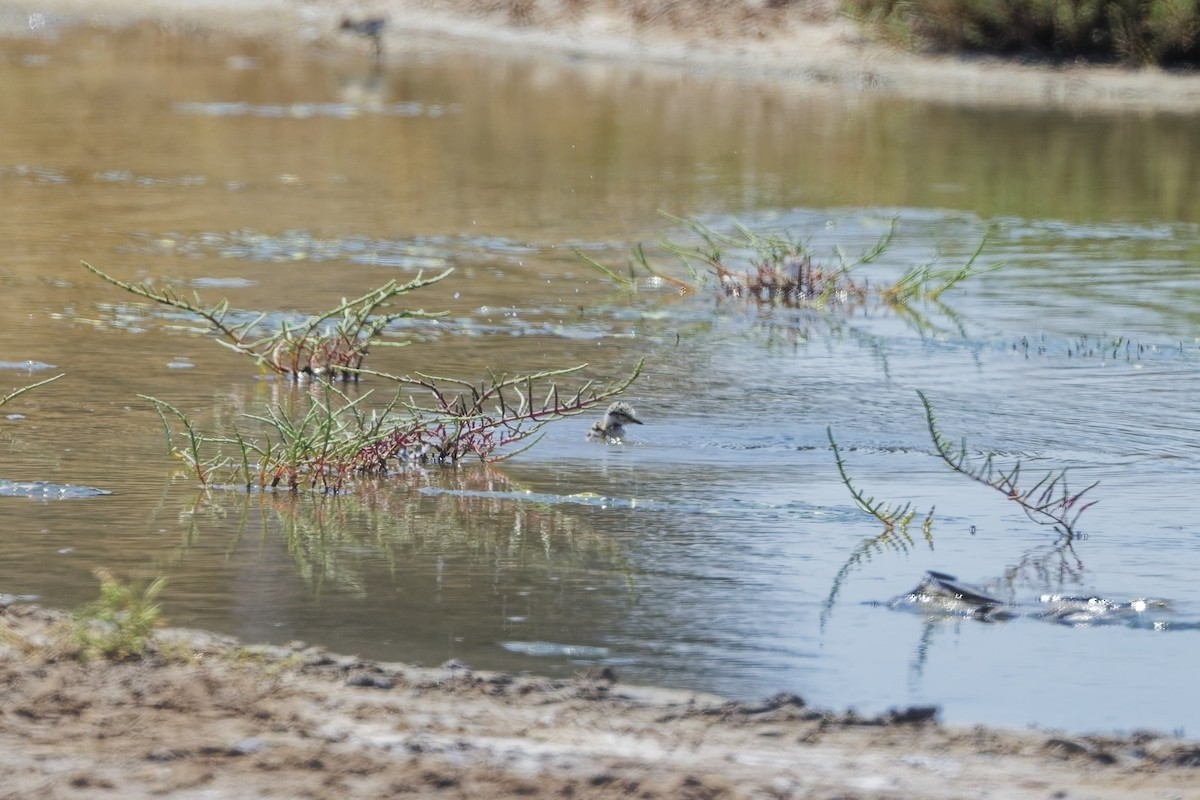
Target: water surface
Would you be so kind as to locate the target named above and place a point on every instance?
(709, 552)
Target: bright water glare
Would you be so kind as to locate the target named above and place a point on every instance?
(717, 549)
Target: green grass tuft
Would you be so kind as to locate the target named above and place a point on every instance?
(118, 625)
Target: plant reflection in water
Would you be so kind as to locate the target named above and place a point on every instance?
(473, 514)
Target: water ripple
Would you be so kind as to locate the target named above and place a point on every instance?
(555, 650)
(29, 366)
(42, 490)
(298, 111)
(35, 173)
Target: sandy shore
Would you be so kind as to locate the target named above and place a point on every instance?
(807, 42)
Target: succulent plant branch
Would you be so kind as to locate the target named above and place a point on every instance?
(1049, 501)
(782, 270)
(15, 393)
(330, 345)
(630, 283)
(190, 452)
(477, 419)
(894, 536)
(772, 270)
(890, 517)
(923, 282)
(335, 439)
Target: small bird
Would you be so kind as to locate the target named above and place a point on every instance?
(369, 28)
(612, 427)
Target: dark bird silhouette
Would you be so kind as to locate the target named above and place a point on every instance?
(369, 28)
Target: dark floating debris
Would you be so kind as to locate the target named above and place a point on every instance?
(942, 595)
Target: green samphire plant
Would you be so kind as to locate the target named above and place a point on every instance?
(326, 439)
(118, 625)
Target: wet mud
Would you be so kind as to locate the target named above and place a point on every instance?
(207, 716)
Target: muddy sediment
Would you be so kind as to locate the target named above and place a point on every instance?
(206, 716)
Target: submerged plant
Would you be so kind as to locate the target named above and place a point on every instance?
(330, 345)
(1102, 347)
(335, 439)
(781, 272)
(119, 623)
(1049, 501)
(777, 271)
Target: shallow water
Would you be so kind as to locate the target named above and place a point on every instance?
(714, 550)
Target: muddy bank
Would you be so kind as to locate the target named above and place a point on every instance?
(802, 43)
(206, 716)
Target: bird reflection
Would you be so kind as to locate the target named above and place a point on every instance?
(366, 91)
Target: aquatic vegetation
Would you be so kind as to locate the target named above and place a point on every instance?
(321, 447)
(330, 345)
(335, 439)
(781, 270)
(893, 538)
(468, 419)
(1106, 348)
(774, 270)
(119, 623)
(890, 517)
(1049, 501)
(15, 393)
(924, 282)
